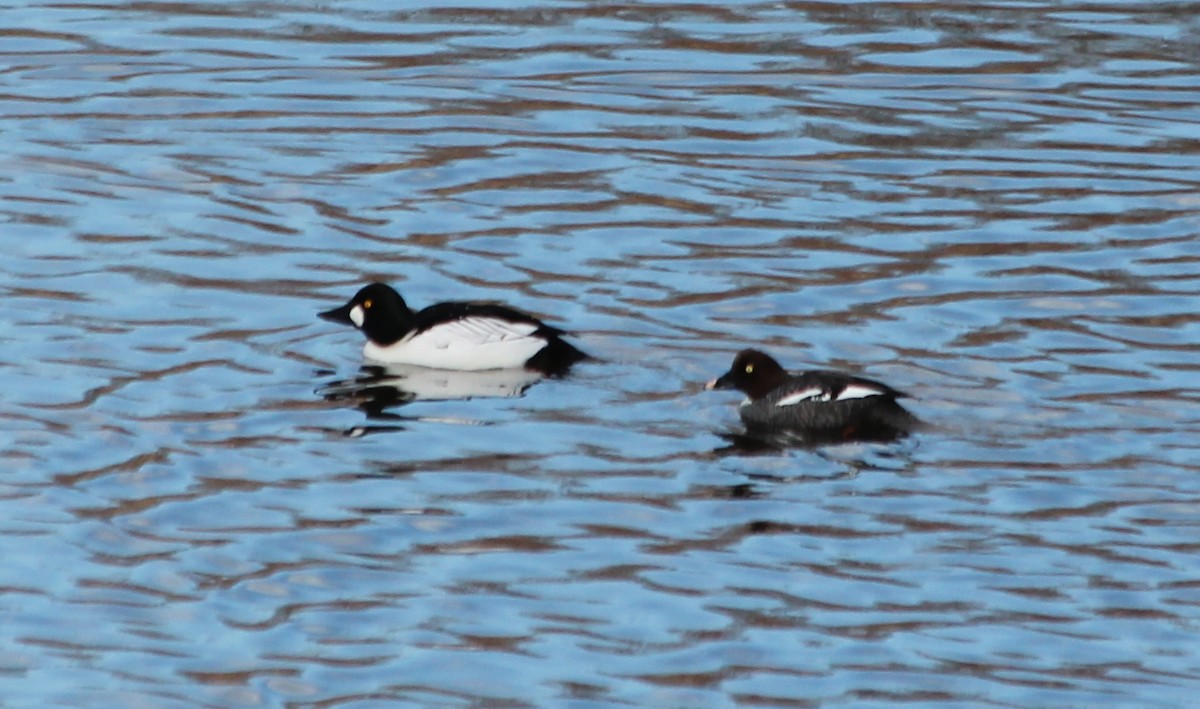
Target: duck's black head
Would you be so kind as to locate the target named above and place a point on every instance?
(753, 372)
(377, 310)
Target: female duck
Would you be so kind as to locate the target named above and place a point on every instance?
(454, 335)
(817, 405)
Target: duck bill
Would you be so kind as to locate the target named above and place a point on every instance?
(721, 382)
(338, 315)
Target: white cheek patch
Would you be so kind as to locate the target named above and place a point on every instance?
(357, 316)
(857, 391)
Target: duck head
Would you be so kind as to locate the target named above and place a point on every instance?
(753, 372)
(377, 310)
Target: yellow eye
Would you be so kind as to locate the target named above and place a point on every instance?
(749, 369)
(367, 303)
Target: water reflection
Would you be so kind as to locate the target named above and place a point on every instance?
(755, 442)
(397, 384)
(377, 391)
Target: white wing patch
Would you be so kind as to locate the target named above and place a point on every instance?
(858, 391)
(817, 394)
(481, 330)
(810, 394)
(471, 343)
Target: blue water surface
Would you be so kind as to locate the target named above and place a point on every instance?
(991, 207)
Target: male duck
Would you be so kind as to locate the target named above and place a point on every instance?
(454, 335)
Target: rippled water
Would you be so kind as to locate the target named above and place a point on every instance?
(991, 206)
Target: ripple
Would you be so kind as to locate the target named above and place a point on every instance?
(991, 207)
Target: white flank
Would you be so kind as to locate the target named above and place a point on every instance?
(357, 316)
(858, 391)
(474, 343)
(803, 395)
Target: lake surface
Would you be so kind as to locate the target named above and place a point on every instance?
(993, 207)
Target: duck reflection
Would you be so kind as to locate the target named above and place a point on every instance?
(853, 454)
(377, 389)
(755, 442)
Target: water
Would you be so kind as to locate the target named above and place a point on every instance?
(993, 207)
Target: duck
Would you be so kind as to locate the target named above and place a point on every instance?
(816, 405)
(463, 336)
